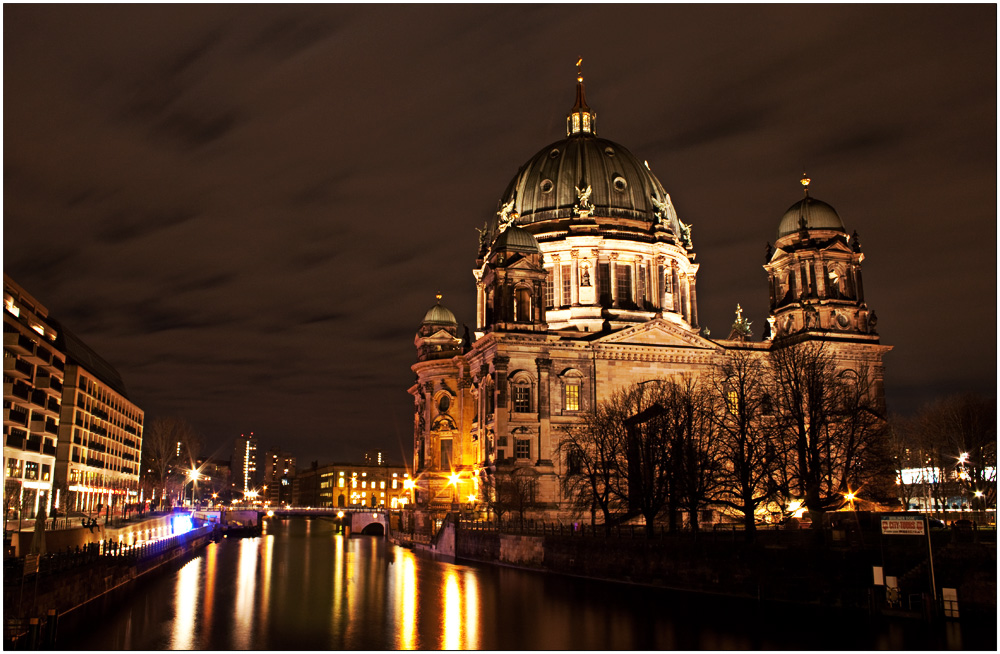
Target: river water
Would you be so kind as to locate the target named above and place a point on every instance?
(303, 586)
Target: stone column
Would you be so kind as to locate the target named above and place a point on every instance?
(574, 288)
(544, 411)
(694, 301)
(614, 279)
(500, 411)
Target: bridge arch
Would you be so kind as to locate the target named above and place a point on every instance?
(373, 529)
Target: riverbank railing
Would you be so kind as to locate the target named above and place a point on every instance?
(54, 564)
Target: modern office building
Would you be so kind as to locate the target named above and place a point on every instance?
(71, 434)
(243, 466)
(279, 474)
(100, 433)
(33, 373)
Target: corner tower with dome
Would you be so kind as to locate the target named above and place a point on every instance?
(586, 283)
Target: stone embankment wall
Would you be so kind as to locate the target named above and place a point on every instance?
(66, 539)
(804, 570)
(56, 592)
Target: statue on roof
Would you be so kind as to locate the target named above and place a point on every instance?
(507, 215)
(583, 206)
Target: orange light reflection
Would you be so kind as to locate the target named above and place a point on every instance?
(186, 606)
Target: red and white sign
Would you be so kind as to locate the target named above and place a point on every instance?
(905, 526)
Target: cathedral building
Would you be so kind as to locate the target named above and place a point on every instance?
(586, 282)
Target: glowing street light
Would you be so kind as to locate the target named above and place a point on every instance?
(850, 498)
(453, 482)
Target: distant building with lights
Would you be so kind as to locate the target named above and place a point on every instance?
(585, 284)
(243, 466)
(350, 485)
(279, 474)
(71, 433)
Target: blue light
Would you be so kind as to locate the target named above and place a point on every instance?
(180, 523)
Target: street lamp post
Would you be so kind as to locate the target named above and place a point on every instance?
(453, 482)
(192, 476)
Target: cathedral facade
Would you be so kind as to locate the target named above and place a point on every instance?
(586, 283)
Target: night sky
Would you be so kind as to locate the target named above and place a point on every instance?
(247, 210)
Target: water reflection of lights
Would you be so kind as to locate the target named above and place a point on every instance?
(408, 571)
(267, 553)
(186, 606)
(211, 559)
(471, 611)
(460, 622)
(246, 585)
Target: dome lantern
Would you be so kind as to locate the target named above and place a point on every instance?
(581, 120)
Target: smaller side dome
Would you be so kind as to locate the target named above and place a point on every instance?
(439, 315)
(813, 213)
(516, 239)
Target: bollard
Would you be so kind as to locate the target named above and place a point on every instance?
(51, 626)
(33, 634)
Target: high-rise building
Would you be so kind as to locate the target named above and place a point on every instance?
(71, 433)
(279, 474)
(244, 466)
(586, 284)
(33, 373)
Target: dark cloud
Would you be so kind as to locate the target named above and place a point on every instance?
(132, 224)
(248, 209)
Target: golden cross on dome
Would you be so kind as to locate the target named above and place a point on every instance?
(805, 183)
(579, 70)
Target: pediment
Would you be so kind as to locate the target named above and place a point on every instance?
(522, 263)
(838, 246)
(658, 333)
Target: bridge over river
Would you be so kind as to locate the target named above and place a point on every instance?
(359, 520)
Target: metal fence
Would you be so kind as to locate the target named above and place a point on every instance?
(103, 552)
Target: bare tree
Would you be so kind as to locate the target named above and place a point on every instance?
(962, 430)
(828, 421)
(160, 443)
(644, 475)
(751, 462)
(694, 448)
(590, 452)
(907, 459)
(511, 489)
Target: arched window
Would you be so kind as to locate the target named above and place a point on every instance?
(522, 304)
(520, 392)
(572, 387)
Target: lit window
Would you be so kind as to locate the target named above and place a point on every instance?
(354, 483)
(733, 399)
(572, 397)
(340, 482)
(364, 484)
(394, 481)
(381, 484)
